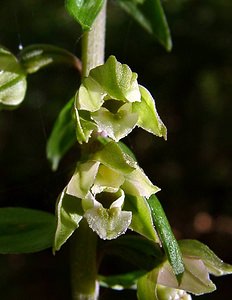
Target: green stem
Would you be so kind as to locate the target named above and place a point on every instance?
(84, 263)
(93, 44)
(84, 240)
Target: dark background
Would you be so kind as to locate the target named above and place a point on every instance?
(192, 86)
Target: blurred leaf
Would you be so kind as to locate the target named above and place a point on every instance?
(166, 235)
(139, 244)
(62, 137)
(138, 251)
(148, 117)
(24, 230)
(196, 249)
(12, 81)
(150, 15)
(141, 217)
(35, 57)
(84, 11)
(120, 281)
(69, 213)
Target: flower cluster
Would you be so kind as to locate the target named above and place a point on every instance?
(108, 188)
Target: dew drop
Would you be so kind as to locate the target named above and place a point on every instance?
(20, 46)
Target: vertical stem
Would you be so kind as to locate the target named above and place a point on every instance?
(84, 240)
(93, 43)
(84, 263)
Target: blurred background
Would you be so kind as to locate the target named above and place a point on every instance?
(192, 86)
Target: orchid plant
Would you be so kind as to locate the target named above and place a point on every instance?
(109, 197)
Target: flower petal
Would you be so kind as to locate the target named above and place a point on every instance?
(83, 179)
(141, 217)
(90, 95)
(84, 126)
(117, 125)
(69, 213)
(112, 156)
(107, 179)
(117, 80)
(195, 278)
(109, 223)
(149, 119)
(138, 184)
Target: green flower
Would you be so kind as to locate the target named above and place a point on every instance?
(199, 262)
(109, 190)
(111, 102)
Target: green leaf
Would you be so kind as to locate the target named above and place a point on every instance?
(24, 230)
(117, 80)
(196, 249)
(12, 81)
(62, 137)
(69, 213)
(167, 238)
(148, 116)
(84, 11)
(150, 15)
(141, 217)
(35, 57)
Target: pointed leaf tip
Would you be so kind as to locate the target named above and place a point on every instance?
(150, 15)
(167, 237)
(84, 12)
